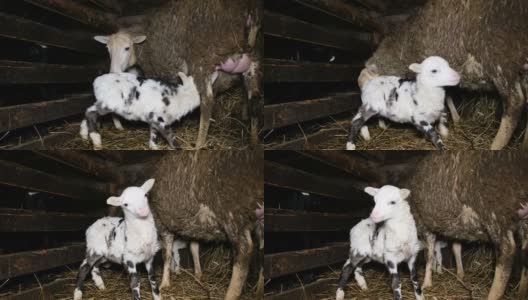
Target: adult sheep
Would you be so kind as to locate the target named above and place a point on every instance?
(209, 196)
(215, 41)
(472, 196)
(484, 40)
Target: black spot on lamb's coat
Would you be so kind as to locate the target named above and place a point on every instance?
(137, 95)
(122, 96)
(118, 81)
(121, 221)
(130, 264)
(151, 115)
(424, 123)
(415, 102)
(390, 264)
(161, 120)
(131, 96)
(401, 81)
(166, 101)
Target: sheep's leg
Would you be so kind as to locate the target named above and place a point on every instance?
(414, 278)
(206, 112)
(438, 258)
(392, 266)
(525, 141)
(457, 251)
(252, 84)
(430, 133)
(87, 265)
(134, 280)
(513, 103)
(195, 252)
(358, 275)
(430, 241)
(168, 241)
(522, 293)
(348, 268)
(152, 279)
(117, 123)
(503, 266)
(442, 125)
(242, 258)
(260, 236)
(166, 132)
(153, 137)
(452, 109)
(176, 260)
(96, 275)
(382, 124)
(91, 124)
(363, 115)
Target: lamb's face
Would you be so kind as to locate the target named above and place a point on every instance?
(388, 199)
(134, 200)
(121, 49)
(435, 72)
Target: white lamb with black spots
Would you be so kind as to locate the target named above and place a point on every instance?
(420, 102)
(128, 241)
(388, 236)
(134, 98)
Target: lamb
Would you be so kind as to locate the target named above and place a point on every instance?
(419, 102)
(199, 196)
(128, 241)
(155, 102)
(484, 40)
(388, 236)
(216, 40)
(471, 196)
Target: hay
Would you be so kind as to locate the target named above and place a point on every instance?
(227, 130)
(478, 278)
(216, 267)
(476, 131)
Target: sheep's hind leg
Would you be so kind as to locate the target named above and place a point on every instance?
(206, 112)
(414, 278)
(168, 242)
(96, 275)
(152, 279)
(430, 133)
(358, 275)
(392, 266)
(513, 102)
(503, 265)
(134, 280)
(430, 241)
(195, 251)
(242, 257)
(457, 252)
(87, 264)
(363, 115)
(254, 98)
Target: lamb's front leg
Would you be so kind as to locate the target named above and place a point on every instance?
(430, 133)
(90, 127)
(153, 137)
(392, 266)
(134, 279)
(152, 279)
(166, 132)
(414, 278)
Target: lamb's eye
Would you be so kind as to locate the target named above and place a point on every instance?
(127, 48)
(126, 204)
(434, 71)
(392, 202)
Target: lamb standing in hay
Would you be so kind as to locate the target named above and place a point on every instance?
(209, 196)
(472, 196)
(215, 41)
(484, 40)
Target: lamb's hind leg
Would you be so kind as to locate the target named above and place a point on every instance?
(241, 261)
(414, 278)
(348, 268)
(91, 124)
(96, 275)
(206, 112)
(513, 102)
(117, 123)
(87, 265)
(363, 115)
(505, 250)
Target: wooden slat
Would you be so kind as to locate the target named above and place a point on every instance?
(290, 28)
(284, 263)
(16, 175)
(46, 291)
(109, 5)
(354, 164)
(19, 116)
(346, 12)
(47, 142)
(305, 142)
(309, 72)
(26, 30)
(284, 114)
(31, 73)
(378, 5)
(288, 177)
(305, 292)
(19, 220)
(283, 220)
(13, 265)
(81, 13)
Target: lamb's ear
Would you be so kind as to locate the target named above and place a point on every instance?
(404, 193)
(416, 68)
(371, 191)
(139, 39)
(147, 185)
(103, 39)
(114, 201)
